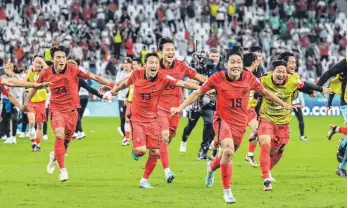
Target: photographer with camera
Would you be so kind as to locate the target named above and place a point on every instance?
(9, 110)
(205, 106)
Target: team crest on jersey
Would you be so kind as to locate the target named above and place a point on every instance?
(245, 91)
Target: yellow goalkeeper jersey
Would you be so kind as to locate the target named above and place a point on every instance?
(40, 95)
(130, 93)
(272, 111)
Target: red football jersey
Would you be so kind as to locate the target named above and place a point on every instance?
(233, 96)
(172, 96)
(4, 89)
(147, 94)
(64, 87)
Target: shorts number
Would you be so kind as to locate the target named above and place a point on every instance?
(236, 102)
(145, 96)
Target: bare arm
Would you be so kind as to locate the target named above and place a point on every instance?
(189, 100)
(99, 79)
(186, 93)
(201, 78)
(30, 95)
(13, 100)
(272, 97)
(119, 87)
(187, 85)
(13, 82)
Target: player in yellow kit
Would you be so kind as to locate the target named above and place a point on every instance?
(37, 107)
(273, 130)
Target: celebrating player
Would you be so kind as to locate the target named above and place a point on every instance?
(250, 64)
(274, 125)
(63, 103)
(149, 85)
(37, 107)
(171, 98)
(339, 86)
(233, 89)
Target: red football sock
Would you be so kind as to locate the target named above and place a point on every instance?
(127, 134)
(164, 155)
(252, 147)
(215, 164)
(343, 130)
(275, 159)
(33, 141)
(226, 175)
(38, 141)
(150, 165)
(59, 152)
(215, 143)
(265, 160)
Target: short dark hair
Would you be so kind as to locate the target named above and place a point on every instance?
(277, 63)
(163, 41)
(151, 54)
(248, 59)
(285, 56)
(59, 48)
(254, 49)
(138, 60)
(213, 50)
(37, 56)
(235, 50)
(127, 60)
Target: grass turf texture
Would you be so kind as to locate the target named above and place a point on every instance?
(103, 174)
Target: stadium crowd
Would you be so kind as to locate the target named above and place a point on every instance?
(101, 32)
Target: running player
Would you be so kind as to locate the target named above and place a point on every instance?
(64, 102)
(37, 107)
(273, 130)
(136, 65)
(339, 86)
(171, 97)
(149, 85)
(250, 62)
(233, 89)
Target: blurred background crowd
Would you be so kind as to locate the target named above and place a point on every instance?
(101, 33)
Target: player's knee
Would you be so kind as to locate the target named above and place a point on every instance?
(140, 151)
(60, 134)
(265, 140)
(39, 126)
(154, 152)
(228, 153)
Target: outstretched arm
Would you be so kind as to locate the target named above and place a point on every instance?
(201, 78)
(188, 101)
(119, 87)
(13, 100)
(272, 97)
(187, 85)
(13, 82)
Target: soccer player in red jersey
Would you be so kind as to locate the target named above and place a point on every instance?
(233, 88)
(171, 97)
(63, 103)
(149, 85)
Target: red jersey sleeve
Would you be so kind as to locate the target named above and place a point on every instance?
(132, 77)
(171, 80)
(42, 76)
(210, 84)
(256, 85)
(188, 71)
(4, 90)
(82, 72)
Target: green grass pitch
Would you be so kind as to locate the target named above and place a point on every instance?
(103, 174)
